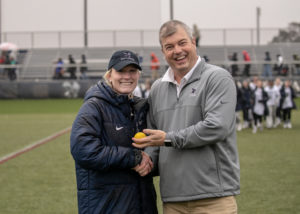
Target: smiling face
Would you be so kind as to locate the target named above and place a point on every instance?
(125, 80)
(179, 51)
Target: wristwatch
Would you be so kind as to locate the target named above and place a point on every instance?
(137, 157)
(168, 143)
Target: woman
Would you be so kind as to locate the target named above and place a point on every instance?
(260, 98)
(272, 103)
(108, 168)
(287, 103)
(246, 104)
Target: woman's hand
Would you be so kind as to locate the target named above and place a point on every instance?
(146, 165)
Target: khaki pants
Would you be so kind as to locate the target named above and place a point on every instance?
(223, 205)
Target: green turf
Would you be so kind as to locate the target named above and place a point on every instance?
(56, 106)
(40, 181)
(43, 180)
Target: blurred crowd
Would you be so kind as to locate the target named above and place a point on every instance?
(69, 71)
(271, 68)
(265, 103)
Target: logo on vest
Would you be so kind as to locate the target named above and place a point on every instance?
(119, 128)
(193, 93)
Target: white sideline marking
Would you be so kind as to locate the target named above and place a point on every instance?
(34, 145)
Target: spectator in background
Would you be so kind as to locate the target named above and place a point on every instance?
(196, 34)
(246, 104)
(205, 57)
(239, 107)
(138, 91)
(12, 75)
(287, 103)
(7, 63)
(260, 98)
(148, 84)
(272, 103)
(155, 66)
(2, 61)
(253, 83)
(72, 67)
(111, 173)
(279, 65)
(247, 67)
(59, 69)
(297, 65)
(143, 92)
(234, 66)
(267, 66)
(83, 67)
(277, 87)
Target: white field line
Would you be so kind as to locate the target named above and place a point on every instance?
(34, 145)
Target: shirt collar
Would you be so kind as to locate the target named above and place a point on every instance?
(169, 75)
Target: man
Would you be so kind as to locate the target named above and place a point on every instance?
(192, 138)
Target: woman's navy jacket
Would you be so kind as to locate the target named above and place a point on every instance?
(104, 157)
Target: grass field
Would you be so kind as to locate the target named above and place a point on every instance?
(42, 181)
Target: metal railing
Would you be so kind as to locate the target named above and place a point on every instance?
(133, 38)
(97, 70)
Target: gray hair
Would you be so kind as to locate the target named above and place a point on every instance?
(171, 27)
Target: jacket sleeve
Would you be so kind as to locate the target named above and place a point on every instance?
(218, 116)
(88, 148)
(153, 152)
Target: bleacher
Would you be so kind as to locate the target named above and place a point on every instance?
(40, 63)
(36, 67)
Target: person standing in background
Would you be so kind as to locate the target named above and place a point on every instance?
(272, 103)
(260, 98)
(246, 104)
(72, 67)
(287, 103)
(83, 67)
(297, 65)
(247, 60)
(59, 69)
(155, 66)
(196, 34)
(277, 87)
(279, 65)
(267, 66)
(12, 75)
(234, 67)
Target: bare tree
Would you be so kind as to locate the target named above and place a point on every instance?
(291, 34)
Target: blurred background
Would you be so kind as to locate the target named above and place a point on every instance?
(39, 39)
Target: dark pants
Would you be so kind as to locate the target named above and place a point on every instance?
(246, 114)
(278, 112)
(257, 118)
(246, 70)
(286, 114)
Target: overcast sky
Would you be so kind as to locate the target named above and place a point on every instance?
(236, 13)
(43, 15)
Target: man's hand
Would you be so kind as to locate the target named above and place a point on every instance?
(154, 138)
(146, 165)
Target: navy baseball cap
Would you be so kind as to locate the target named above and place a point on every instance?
(121, 59)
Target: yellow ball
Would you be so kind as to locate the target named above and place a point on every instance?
(139, 135)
